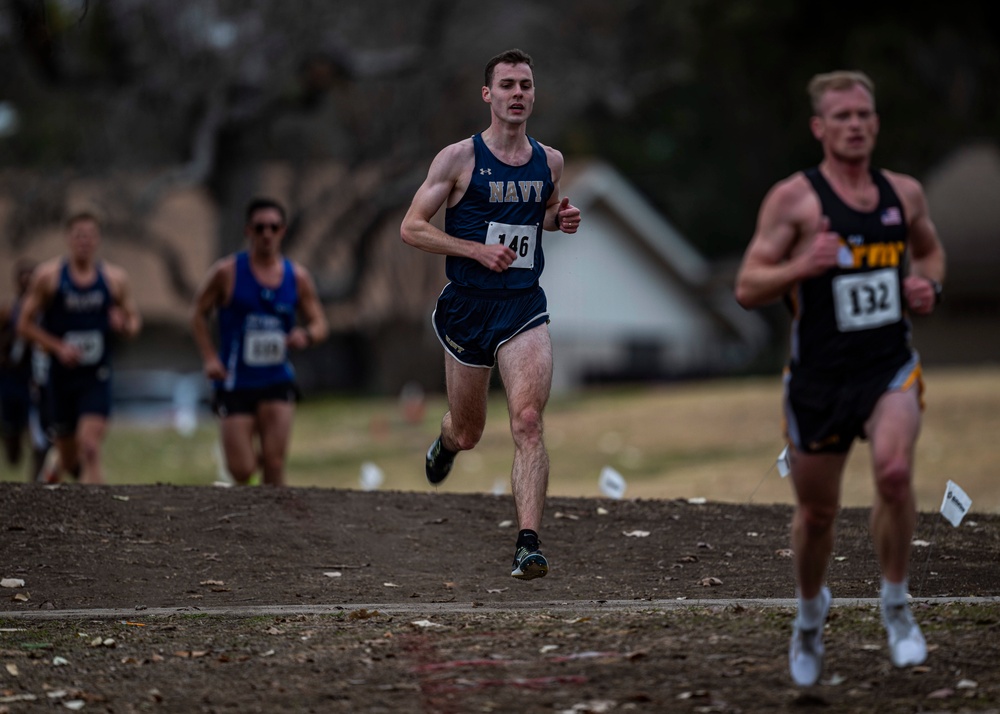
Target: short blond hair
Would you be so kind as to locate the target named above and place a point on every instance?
(837, 82)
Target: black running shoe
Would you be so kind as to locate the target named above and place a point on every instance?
(439, 462)
(529, 563)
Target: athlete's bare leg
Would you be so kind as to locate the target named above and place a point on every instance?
(468, 388)
(816, 479)
(90, 433)
(237, 433)
(526, 369)
(274, 424)
(892, 430)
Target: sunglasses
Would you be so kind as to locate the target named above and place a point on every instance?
(259, 228)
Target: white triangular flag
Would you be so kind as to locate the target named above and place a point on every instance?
(371, 476)
(611, 483)
(784, 468)
(956, 503)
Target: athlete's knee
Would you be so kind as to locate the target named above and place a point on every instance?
(465, 438)
(893, 479)
(526, 425)
(817, 520)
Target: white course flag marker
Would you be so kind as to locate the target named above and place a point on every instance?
(784, 468)
(611, 483)
(371, 476)
(956, 503)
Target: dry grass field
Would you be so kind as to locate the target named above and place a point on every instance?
(714, 439)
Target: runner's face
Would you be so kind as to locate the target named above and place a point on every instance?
(84, 236)
(847, 124)
(512, 95)
(265, 229)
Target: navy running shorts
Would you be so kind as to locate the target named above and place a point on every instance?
(71, 397)
(825, 414)
(472, 324)
(246, 401)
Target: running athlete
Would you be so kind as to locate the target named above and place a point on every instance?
(15, 371)
(501, 189)
(258, 294)
(74, 308)
(853, 250)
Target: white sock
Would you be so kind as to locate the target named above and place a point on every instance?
(811, 611)
(894, 593)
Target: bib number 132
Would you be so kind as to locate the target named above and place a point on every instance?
(867, 300)
(520, 239)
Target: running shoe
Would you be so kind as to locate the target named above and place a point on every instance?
(907, 646)
(805, 653)
(529, 563)
(439, 462)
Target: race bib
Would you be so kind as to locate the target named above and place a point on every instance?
(866, 300)
(520, 239)
(89, 342)
(263, 348)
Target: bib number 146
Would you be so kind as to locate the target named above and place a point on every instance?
(520, 239)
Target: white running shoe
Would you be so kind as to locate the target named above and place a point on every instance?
(805, 653)
(907, 646)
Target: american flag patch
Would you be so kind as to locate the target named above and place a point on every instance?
(891, 217)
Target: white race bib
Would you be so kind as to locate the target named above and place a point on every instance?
(263, 348)
(520, 239)
(867, 300)
(89, 342)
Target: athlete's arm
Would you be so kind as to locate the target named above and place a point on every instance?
(124, 315)
(560, 215)
(314, 328)
(791, 243)
(448, 172)
(214, 291)
(43, 286)
(927, 259)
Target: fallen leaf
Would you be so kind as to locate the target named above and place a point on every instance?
(784, 552)
(917, 543)
(59, 661)
(602, 511)
(966, 684)
(697, 500)
(21, 597)
(362, 614)
(545, 649)
(570, 516)
(391, 585)
(710, 582)
(426, 623)
(505, 524)
(120, 498)
(943, 693)
(333, 574)
(211, 582)
(635, 534)
(12, 670)
(496, 590)
(11, 583)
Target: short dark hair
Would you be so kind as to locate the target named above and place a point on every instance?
(262, 202)
(79, 216)
(514, 56)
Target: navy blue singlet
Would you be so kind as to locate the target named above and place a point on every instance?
(503, 204)
(78, 314)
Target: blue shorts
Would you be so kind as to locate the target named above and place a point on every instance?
(72, 397)
(473, 324)
(825, 414)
